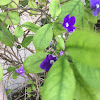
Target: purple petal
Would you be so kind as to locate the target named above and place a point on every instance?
(44, 64)
(21, 68)
(70, 28)
(47, 68)
(61, 53)
(22, 74)
(37, 3)
(23, 71)
(95, 12)
(92, 2)
(66, 19)
(93, 7)
(72, 20)
(17, 70)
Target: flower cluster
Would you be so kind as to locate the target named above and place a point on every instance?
(20, 71)
(48, 62)
(95, 6)
(68, 23)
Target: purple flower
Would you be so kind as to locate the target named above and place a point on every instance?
(20, 71)
(48, 62)
(61, 53)
(95, 6)
(68, 23)
(48, 2)
(37, 3)
(5, 89)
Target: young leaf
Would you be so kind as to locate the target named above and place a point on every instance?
(26, 41)
(43, 37)
(18, 32)
(14, 18)
(89, 74)
(29, 25)
(4, 2)
(14, 75)
(28, 90)
(32, 63)
(60, 82)
(58, 29)
(1, 72)
(60, 43)
(73, 8)
(54, 8)
(33, 87)
(11, 68)
(30, 82)
(84, 46)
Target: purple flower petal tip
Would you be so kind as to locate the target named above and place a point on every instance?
(68, 23)
(48, 62)
(61, 53)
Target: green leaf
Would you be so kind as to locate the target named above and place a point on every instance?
(73, 8)
(30, 82)
(62, 0)
(60, 82)
(33, 87)
(7, 38)
(29, 25)
(84, 46)
(88, 14)
(9, 91)
(88, 20)
(1, 72)
(60, 43)
(83, 90)
(32, 63)
(90, 75)
(15, 75)
(28, 90)
(32, 4)
(58, 29)
(13, 5)
(11, 68)
(54, 8)
(18, 32)
(4, 2)
(14, 18)
(24, 3)
(26, 41)
(85, 24)
(43, 37)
